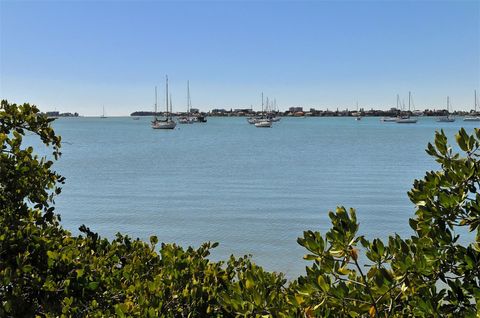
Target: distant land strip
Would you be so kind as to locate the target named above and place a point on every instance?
(299, 112)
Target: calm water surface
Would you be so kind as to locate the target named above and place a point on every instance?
(253, 190)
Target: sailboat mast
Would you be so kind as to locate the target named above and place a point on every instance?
(475, 92)
(188, 98)
(448, 103)
(398, 101)
(155, 113)
(262, 103)
(409, 97)
(171, 108)
(166, 95)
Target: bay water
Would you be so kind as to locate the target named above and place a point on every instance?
(252, 190)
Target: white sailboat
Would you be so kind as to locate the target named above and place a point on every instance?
(155, 119)
(263, 121)
(392, 119)
(357, 114)
(274, 118)
(263, 124)
(167, 122)
(406, 119)
(187, 119)
(448, 118)
(257, 119)
(475, 116)
(103, 113)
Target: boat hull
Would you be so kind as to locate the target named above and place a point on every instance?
(445, 120)
(263, 124)
(164, 125)
(200, 119)
(185, 121)
(406, 121)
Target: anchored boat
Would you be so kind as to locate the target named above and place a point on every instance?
(475, 116)
(187, 119)
(167, 122)
(406, 119)
(264, 124)
(448, 118)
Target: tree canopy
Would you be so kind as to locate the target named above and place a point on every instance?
(46, 271)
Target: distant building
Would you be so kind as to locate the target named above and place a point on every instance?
(295, 109)
(242, 110)
(194, 110)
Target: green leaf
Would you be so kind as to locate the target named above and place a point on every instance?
(119, 311)
(323, 284)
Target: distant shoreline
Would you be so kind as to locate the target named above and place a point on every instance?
(374, 113)
(311, 113)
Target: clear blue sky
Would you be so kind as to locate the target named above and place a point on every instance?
(82, 55)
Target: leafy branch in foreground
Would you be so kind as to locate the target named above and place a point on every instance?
(47, 271)
(429, 274)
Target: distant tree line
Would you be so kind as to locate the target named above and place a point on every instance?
(59, 114)
(316, 113)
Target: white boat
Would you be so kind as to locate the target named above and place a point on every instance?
(406, 119)
(184, 120)
(263, 124)
(155, 120)
(271, 111)
(358, 115)
(103, 113)
(448, 118)
(262, 121)
(253, 120)
(391, 119)
(167, 122)
(199, 118)
(187, 119)
(275, 119)
(475, 116)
